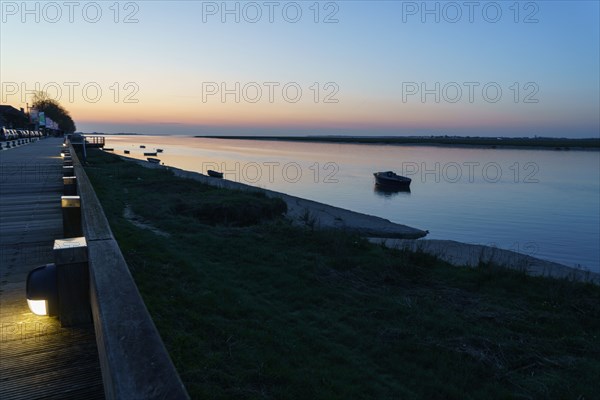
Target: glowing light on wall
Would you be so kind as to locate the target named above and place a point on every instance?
(42, 297)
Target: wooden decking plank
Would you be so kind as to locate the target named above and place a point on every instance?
(38, 358)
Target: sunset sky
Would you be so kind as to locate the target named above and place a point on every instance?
(346, 67)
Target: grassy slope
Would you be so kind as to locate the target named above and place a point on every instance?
(271, 311)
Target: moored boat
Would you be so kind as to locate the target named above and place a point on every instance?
(126, 151)
(153, 160)
(214, 174)
(142, 146)
(159, 150)
(150, 154)
(389, 178)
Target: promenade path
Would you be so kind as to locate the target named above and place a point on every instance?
(38, 358)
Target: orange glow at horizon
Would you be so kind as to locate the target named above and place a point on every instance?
(352, 112)
(301, 116)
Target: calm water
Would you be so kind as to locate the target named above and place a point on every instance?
(538, 202)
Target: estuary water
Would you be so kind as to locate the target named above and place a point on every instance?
(544, 203)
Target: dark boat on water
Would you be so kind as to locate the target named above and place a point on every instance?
(214, 174)
(150, 154)
(153, 160)
(390, 179)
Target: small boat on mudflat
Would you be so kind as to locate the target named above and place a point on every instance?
(153, 160)
(142, 146)
(159, 150)
(150, 154)
(389, 178)
(214, 174)
(126, 151)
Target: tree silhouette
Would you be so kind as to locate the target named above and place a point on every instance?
(52, 109)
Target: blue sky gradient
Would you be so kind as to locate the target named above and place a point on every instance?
(373, 54)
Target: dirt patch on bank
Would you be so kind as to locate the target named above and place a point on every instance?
(140, 222)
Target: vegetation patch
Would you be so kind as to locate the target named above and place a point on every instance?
(158, 195)
(255, 308)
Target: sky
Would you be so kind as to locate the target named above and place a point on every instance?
(468, 68)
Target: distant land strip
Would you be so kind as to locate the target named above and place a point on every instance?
(538, 142)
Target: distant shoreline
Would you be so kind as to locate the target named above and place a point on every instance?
(530, 143)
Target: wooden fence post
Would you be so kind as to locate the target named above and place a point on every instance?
(70, 186)
(71, 213)
(72, 281)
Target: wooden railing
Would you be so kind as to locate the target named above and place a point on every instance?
(134, 361)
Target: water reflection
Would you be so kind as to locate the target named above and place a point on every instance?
(391, 191)
(501, 196)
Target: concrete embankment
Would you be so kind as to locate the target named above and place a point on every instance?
(474, 255)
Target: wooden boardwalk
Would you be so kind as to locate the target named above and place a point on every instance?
(38, 358)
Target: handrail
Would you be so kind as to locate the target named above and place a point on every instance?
(134, 361)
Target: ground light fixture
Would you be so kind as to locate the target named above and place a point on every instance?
(41, 290)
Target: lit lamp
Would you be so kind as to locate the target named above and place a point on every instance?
(42, 295)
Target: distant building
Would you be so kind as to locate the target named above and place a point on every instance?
(12, 118)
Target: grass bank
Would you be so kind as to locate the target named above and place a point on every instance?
(260, 309)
